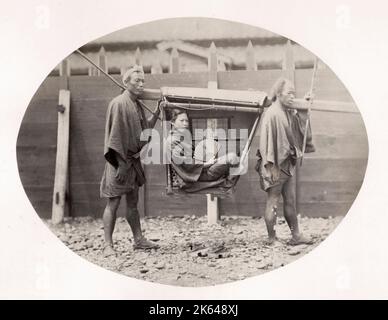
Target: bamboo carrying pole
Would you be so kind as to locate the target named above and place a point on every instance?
(151, 93)
(300, 104)
(200, 106)
(320, 105)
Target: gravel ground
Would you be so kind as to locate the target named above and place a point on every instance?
(192, 253)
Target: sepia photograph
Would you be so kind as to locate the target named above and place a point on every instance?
(192, 151)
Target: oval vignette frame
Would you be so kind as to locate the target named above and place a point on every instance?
(175, 53)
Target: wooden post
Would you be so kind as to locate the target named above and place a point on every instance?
(212, 67)
(250, 58)
(174, 61)
(64, 85)
(289, 63)
(212, 80)
(62, 159)
(212, 84)
(138, 57)
(213, 213)
(64, 68)
(92, 71)
(102, 61)
(289, 73)
(156, 67)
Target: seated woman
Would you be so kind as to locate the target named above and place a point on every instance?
(180, 154)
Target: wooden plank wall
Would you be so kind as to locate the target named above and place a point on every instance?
(329, 179)
(36, 146)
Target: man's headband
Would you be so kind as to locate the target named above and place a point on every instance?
(128, 73)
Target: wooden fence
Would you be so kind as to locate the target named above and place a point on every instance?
(329, 179)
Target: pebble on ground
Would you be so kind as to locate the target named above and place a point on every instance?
(192, 253)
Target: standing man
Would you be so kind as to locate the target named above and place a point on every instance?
(281, 131)
(123, 174)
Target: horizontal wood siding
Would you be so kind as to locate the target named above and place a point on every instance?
(330, 178)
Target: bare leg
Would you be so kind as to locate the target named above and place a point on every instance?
(289, 199)
(132, 215)
(271, 211)
(133, 219)
(290, 214)
(109, 218)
